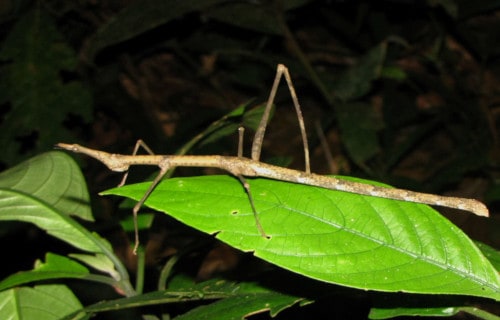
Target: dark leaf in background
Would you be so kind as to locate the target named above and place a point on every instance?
(34, 54)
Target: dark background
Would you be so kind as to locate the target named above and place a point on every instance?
(405, 92)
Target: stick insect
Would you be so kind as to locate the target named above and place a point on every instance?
(241, 167)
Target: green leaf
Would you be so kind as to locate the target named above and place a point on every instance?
(241, 299)
(236, 300)
(242, 306)
(229, 123)
(338, 237)
(99, 262)
(394, 73)
(252, 117)
(226, 125)
(43, 199)
(492, 254)
(33, 55)
(21, 207)
(55, 267)
(53, 177)
(47, 205)
(144, 221)
(43, 302)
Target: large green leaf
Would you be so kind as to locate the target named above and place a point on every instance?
(53, 177)
(338, 237)
(17, 206)
(41, 191)
(44, 302)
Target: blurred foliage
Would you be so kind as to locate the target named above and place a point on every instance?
(33, 89)
(405, 91)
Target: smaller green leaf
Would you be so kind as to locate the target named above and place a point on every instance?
(226, 125)
(242, 306)
(492, 254)
(252, 117)
(98, 261)
(45, 302)
(229, 124)
(395, 73)
(242, 299)
(54, 267)
(224, 130)
(144, 221)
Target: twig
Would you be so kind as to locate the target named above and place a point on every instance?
(240, 166)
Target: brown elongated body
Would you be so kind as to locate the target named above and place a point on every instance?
(240, 166)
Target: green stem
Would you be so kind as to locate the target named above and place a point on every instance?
(124, 282)
(141, 262)
(166, 271)
(479, 313)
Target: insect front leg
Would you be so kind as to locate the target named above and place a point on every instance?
(138, 144)
(164, 167)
